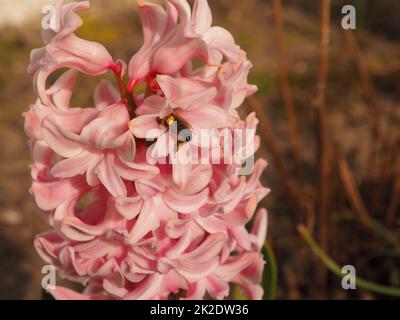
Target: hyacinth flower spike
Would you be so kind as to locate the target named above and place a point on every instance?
(126, 221)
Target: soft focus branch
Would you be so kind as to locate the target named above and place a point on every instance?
(323, 133)
(378, 142)
(299, 201)
(286, 90)
(395, 194)
(358, 205)
(367, 83)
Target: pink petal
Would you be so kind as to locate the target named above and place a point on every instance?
(146, 222)
(61, 293)
(61, 91)
(220, 39)
(32, 125)
(176, 228)
(208, 117)
(65, 209)
(254, 180)
(48, 246)
(65, 143)
(183, 243)
(154, 22)
(41, 154)
(183, 9)
(216, 287)
(128, 207)
(260, 227)
(185, 92)
(70, 52)
(173, 282)
(147, 289)
(184, 203)
(51, 194)
(165, 59)
(109, 177)
(105, 95)
(235, 265)
(74, 229)
(196, 291)
(67, 21)
(145, 127)
(242, 237)
(109, 130)
(133, 171)
(242, 214)
(89, 57)
(181, 173)
(208, 250)
(74, 166)
(99, 248)
(114, 289)
(212, 224)
(231, 200)
(152, 106)
(253, 273)
(72, 120)
(199, 179)
(127, 151)
(250, 278)
(202, 17)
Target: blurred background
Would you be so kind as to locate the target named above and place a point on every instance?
(329, 116)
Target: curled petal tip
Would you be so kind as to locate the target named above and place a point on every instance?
(115, 67)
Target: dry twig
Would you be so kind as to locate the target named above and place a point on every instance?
(286, 90)
(378, 145)
(367, 83)
(395, 194)
(323, 133)
(299, 201)
(358, 204)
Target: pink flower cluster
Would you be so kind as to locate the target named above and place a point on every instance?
(122, 227)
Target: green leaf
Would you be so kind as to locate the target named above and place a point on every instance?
(270, 276)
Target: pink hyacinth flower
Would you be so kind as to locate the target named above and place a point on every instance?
(65, 50)
(125, 226)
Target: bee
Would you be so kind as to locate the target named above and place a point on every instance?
(178, 126)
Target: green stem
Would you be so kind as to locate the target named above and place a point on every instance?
(270, 277)
(374, 225)
(335, 268)
(384, 233)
